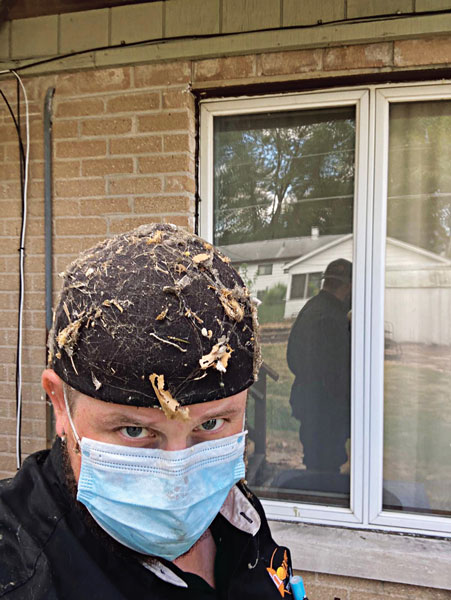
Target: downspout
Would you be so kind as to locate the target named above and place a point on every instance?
(48, 233)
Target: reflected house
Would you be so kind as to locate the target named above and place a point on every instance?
(417, 281)
(305, 272)
(263, 264)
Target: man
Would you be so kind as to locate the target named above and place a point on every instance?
(153, 347)
(318, 353)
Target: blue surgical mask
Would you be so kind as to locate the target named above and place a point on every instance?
(154, 501)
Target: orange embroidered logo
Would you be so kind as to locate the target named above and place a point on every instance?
(280, 574)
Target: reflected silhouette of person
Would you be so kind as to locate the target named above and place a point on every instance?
(319, 355)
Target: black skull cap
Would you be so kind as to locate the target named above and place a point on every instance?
(340, 269)
(156, 301)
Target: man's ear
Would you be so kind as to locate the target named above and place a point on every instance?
(53, 385)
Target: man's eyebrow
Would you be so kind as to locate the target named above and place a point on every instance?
(119, 418)
(217, 413)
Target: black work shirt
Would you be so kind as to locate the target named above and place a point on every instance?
(48, 551)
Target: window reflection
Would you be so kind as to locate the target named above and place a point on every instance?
(319, 355)
(417, 415)
(283, 196)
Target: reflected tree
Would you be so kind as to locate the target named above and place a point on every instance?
(278, 175)
(419, 183)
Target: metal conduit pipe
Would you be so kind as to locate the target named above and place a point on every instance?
(48, 205)
(48, 232)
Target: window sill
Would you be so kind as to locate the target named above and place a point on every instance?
(366, 554)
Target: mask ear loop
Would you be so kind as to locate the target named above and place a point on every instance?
(77, 447)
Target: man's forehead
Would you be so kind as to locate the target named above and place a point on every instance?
(111, 411)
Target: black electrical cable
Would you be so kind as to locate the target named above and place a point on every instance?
(182, 38)
(16, 121)
(13, 116)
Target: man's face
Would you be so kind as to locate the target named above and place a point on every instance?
(141, 427)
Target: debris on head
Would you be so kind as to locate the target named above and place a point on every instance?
(68, 337)
(218, 357)
(199, 258)
(156, 237)
(166, 341)
(170, 406)
(189, 313)
(162, 315)
(96, 382)
(233, 309)
(179, 268)
(113, 302)
(66, 311)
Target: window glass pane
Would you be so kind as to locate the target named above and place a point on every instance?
(284, 195)
(417, 415)
(264, 269)
(314, 284)
(298, 286)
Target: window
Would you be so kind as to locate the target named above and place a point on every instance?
(350, 421)
(298, 283)
(313, 284)
(305, 285)
(264, 269)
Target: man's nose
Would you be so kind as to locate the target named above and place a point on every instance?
(177, 442)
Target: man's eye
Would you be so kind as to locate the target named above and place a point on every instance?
(134, 432)
(212, 424)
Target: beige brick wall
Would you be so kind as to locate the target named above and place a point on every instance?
(318, 63)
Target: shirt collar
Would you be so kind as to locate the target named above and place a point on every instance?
(164, 573)
(240, 513)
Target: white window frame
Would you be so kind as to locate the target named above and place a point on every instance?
(370, 193)
(377, 517)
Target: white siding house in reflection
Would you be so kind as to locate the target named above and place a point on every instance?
(418, 282)
(262, 264)
(316, 262)
(417, 294)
